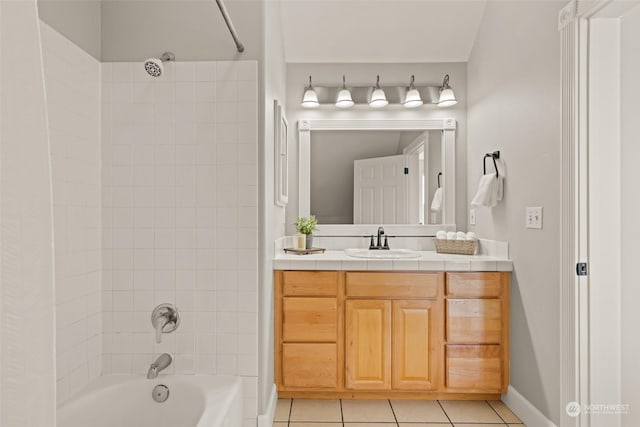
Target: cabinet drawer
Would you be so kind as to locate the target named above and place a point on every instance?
(474, 368)
(310, 365)
(402, 285)
(310, 283)
(306, 319)
(474, 284)
(471, 321)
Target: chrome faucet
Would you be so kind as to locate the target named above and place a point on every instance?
(159, 365)
(379, 244)
(165, 319)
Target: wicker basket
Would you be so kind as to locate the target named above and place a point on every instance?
(460, 247)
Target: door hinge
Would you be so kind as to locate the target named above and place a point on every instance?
(406, 171)
(581, 269)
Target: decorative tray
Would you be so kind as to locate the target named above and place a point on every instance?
(304, 251)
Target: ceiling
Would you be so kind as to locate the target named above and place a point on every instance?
(380, 30)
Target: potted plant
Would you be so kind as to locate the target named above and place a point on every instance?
(306, 226)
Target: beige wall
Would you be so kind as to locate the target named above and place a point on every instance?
(630, 176)
(77, 20)
(272, 217)
(72, 83)
(193, 30)
(390, 74)
(514, 107)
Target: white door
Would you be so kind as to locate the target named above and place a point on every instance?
(380, 188)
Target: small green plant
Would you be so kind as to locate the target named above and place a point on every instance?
(306, 225)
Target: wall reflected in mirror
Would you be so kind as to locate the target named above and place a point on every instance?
(375, 176)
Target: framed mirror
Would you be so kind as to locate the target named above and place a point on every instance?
(377, 171)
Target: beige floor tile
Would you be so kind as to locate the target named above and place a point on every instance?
(280, 424)
(372, 425)
(470, 411)
(414, 411)
(427, 425)
(282, 410)
(327, 411)
(316, 424)
(516, 425)
(378, 411)
(478, 425)
(504, 412)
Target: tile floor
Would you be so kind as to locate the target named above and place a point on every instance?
(389, 413)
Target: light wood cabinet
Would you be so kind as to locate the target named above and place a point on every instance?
(416, 343)
(368, 344)
(391, 334)
(477, 332)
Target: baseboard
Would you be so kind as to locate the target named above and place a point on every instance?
(266, 419)
(529, 414)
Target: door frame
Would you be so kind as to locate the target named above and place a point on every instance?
(590, 319)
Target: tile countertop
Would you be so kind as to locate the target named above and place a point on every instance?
(428, 261)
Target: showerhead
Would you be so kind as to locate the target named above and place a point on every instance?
(154, 67)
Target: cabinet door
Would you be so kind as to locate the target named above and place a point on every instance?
(416, 340)
(309, 365)
(474, 368)
(368, 345)
(474, 321)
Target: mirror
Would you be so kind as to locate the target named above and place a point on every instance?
(375, 176)
(377, 172)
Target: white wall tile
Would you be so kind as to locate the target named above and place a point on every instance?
(179, 219)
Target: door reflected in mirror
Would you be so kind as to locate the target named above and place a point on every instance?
(376, 176)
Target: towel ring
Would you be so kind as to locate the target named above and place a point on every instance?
(495, 155)
(439, 175)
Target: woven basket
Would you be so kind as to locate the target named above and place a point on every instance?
(460, 247)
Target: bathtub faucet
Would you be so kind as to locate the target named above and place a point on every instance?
(159, 365)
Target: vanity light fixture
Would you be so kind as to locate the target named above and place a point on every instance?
(310, 98)
(412, 99)
(378, 97)
(344, 99)
(447, 97)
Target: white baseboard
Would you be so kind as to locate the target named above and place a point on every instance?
(529, 414)
(266, 419)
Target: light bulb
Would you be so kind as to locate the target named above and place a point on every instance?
(344, 99)
(378, 97)
(310, 98)
(447, 97)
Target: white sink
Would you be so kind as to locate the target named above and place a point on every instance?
(382, 254)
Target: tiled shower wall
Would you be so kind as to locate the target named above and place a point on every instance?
(72, 86)
(180, 214)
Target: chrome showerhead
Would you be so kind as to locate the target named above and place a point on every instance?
(154, 67)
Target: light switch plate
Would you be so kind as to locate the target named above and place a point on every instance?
(534, 217)
(472, 216)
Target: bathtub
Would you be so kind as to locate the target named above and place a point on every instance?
(126, 401)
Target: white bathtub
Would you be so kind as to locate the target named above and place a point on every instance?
(125, 401)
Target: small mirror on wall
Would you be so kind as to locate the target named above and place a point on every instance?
(281, 127)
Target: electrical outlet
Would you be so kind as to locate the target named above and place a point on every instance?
(534, 217)
(472, 216)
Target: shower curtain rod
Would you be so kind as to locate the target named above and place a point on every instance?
(232, 30)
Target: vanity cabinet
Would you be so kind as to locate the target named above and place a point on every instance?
(309, 327)
(477, 332)
(391, 334)
(392, 330)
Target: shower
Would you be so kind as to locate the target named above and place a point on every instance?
(154, 67)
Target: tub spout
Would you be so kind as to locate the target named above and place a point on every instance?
(159, 365)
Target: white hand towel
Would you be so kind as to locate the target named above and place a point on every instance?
(436, 203)
(471, 236)
(451, 235)
(461, 235)
(441, 235)
(487, 191)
